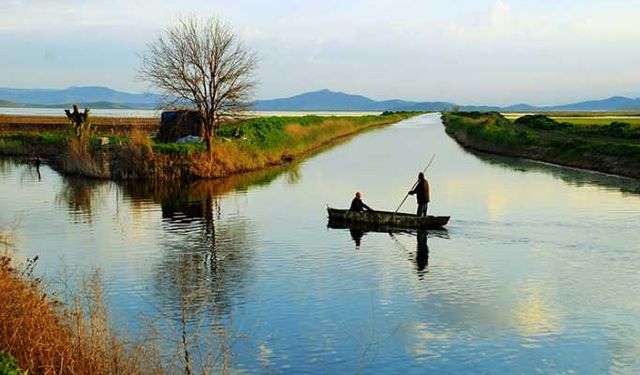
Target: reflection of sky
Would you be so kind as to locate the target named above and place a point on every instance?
(537, 272)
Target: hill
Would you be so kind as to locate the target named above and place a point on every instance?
(91, 94)
(327, 100)
(615, 103)
(322, 100)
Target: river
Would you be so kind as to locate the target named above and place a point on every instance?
(537, 272)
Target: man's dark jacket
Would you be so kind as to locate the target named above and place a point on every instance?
(358, 205)
(421, 191)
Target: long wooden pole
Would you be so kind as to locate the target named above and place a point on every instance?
(414, 186)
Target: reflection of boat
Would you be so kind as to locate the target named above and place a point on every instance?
(385, 219)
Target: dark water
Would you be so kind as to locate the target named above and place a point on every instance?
(538, 271)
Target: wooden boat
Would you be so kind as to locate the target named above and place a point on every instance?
(385, 218)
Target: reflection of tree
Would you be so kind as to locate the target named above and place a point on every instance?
(81, 196)
(203, 266)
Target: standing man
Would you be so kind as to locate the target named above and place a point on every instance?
(422, 195)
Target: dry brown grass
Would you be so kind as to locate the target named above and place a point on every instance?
(101, 125)
(45, 337)
(79, 160)
(135, 158)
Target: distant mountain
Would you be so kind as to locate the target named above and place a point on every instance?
(323, 100)
(615, 103)
(92, 94)
(326, 100)
(8, 103)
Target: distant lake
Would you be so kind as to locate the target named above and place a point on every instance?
(150, 113)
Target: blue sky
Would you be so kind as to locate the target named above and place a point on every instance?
(468, 51)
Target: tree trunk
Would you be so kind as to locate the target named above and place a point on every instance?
(209, 132)
(210, 145)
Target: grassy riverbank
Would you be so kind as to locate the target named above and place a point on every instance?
(610, 147)
(239, 147)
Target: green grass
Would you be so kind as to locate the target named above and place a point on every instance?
(179, 148)
(8, 365)
(25, 138)
(269, 133)
(11, 147)
(634, 122)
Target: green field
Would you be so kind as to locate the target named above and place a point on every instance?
(633, 121)
(587, 118)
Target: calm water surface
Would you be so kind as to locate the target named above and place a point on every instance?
(538, 271)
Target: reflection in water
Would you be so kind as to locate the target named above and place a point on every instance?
(204, 259)
(421, 256)
(422, 251)
(569, 175)
(533, 315)
(30, 168)
(82, 197)
(356, 235)
(204, 263)
(203, 269)
(6, 165)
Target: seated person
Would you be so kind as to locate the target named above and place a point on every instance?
(358, 205)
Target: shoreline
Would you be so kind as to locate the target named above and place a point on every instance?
(270, 142)
(490, 134)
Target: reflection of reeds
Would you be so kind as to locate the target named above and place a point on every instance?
(80, 195)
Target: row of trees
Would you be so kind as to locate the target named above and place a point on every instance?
(202, 64)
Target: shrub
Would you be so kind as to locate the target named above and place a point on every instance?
(541, 122)
(11, 147)
(616, 128)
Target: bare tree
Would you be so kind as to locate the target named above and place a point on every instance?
(202, 63)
